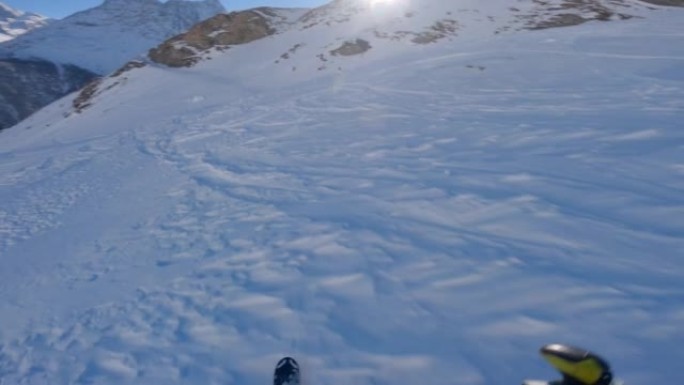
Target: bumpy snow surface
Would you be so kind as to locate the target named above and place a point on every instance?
(418, 214)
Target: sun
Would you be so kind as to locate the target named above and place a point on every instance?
(374, 3)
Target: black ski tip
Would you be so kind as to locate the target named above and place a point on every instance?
(286, 372)
(287, 361)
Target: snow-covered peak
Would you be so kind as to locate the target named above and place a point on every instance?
(110, 3)
(103, 38)
(14, 22)
(7, 12)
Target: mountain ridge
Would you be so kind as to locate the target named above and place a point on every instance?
(346, 28)
(399, 21)
(95, 41)
(14, 23)
(130, 27)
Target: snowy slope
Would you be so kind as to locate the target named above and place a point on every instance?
(352, 27)
(418, 213)
(14, 23)
(103, 38)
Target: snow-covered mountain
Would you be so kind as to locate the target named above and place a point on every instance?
(92, 42)
(14, 22)
(103, 38)
(358, 22)
(28, 85)
(391, 193)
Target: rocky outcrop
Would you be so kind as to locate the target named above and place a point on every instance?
(220, 32)
(574, 12)
(672, 3)
(85, 97)
(28, 85)
(351, 48)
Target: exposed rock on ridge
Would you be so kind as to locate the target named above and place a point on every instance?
(219, 32)
(672, 3)
(85, 97)
(567, 13)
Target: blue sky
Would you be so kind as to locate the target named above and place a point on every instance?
(61, 8)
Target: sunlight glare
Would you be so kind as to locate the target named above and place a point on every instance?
(374, 3)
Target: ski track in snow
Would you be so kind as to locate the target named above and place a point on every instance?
(425, 236)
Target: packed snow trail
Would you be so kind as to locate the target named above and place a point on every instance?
(430, 218)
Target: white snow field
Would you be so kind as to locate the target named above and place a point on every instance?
(420, 214)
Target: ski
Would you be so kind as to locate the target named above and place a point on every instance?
(286, 372)
(577, 366)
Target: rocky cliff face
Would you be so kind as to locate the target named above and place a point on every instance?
(220, 31)
(28, 85)
(14, 23)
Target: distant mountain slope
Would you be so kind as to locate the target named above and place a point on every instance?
(103, 38)
(14, 23)
(26, 85)
(92, 42)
